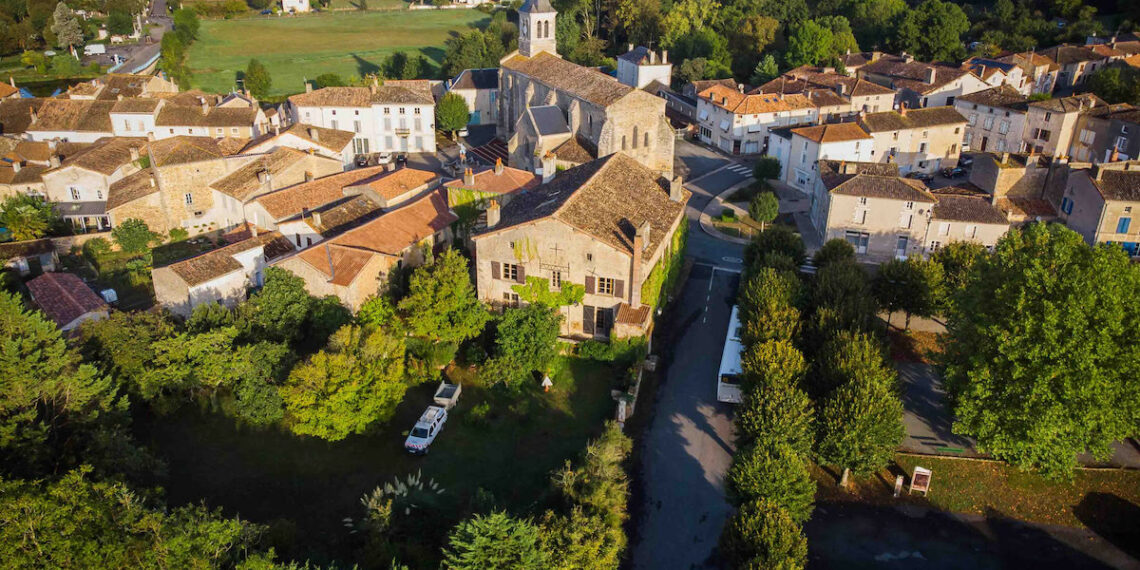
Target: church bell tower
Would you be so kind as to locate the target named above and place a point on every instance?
(536, 28)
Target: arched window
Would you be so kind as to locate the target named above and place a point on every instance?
(546, 29)
(623, 142)
(635, 136)
(647, 139)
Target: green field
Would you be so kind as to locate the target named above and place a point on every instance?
(296, 48)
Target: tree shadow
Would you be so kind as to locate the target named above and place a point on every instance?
(365, 67)
(1115, 519)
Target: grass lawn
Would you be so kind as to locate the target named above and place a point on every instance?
(305, 487)
(296, 48)
(42, 84)
(1096, 499)
(372, 4)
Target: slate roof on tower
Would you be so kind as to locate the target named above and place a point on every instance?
(538, 6)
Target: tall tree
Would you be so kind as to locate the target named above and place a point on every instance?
(957, 259)
(279, 310)
(860, 427)
(874, 21)
(765, 71)
(497, 540)
(933, 31)
(257, 79)
(65, 26)
(808, 44)
(777, 411)
(441, 304)
(451, 113)
(775, 471)
(527, 341)
(1043, 355)
(353, 383)
(764, 208)
(762, 535)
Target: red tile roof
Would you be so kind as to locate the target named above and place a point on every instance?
(63, 297)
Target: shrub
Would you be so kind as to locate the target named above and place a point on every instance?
(624, 352)
(832, 251)
(762, 535)
(777, 239)
(766, 168)
(479, 414)
(776, 411)
(775, 472)
(474, 354)
(179, 234)
(95, 248)
(728, 215)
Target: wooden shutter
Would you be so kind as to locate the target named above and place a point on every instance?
(588, 317)
(495, 270)
(619, 288)
(590, 285)
(521, 278)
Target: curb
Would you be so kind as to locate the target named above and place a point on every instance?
(715, 206)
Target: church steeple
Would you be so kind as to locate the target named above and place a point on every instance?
(536, 28)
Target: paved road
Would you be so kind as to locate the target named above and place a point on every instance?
(925, 414)
(688, 445)
(138, 55)
(709, 174)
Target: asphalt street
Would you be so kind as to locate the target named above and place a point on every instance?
(688, 445)
(708, 174)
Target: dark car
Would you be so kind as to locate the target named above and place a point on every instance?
(923, 176)
(955, 172)
(965, 160)
(402, 159)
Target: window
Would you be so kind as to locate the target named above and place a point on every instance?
(972, 120)
(416, 111)
(1048, 117)
(233, 130)
(334, 112)
(387, 110)
(957, 130)
(589, 257)
(511, 299)
(357, 112)
(605, 286)
(944, 229)
(1044, 135)
(74, 193)
(1123, 224)
(860, 216)
(905, 220)
(1087, 136)
(1128, 209)
(220, 131)
(1123, 129)
(623, 142)
(858, 240)
(1003, 128)
(934, 245)
(402, 111)
(862, 200)
(895, 136)
(646, 142)
(969, 138)
(189, 198)
(1067, 205)
(921, 147)
(556, 279)
(971, 231)
(356, 126)
(988, 123)
(925, 133)
(99, 196)
(333, 124)
(1001, 145)
(510, 272)
(908, 206)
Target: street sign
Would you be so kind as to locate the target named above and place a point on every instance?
(920, 481)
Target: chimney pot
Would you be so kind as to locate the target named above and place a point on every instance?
(308, 87)
(676, 189)
(314, 134)
(308, 176)
(498, 166)
(263, 176)
(317, 218)
(493, 214)
(630, 47)
(664, 57)
(468, 177)
(16, 166)
(931, 73)
(253, 230)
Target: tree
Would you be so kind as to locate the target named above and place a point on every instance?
(749, 39)
(874, 21)
(767, 306)
(451, 113)
(850, 357)
(120, 22)
(842, 37)
(63, 64)
(400, 65)
(173, 52)
(958, 259)
(35, 60)
(766, 70)
(842, 298)
(329, 80)
(122, 344)
(776, 410)
(933, 31)
(470, 51)
(762, 535)
(772, 362)
(27, 217)
(1116, 84)
(527, 341)
(279, 310)
(497, 540)
(684, 16)
(66, 27)
(776, 239)
(441, 304)
(134, 236)
(357, 380)
(808, 44)
(707, 44)
(766, 168)
(764, 208)
(914, 286)
(186, 25)
(257, 80)
(860, 427)
(45, 385)
(1042, 358)
(81, 523)
(834, 250)
(773, 471)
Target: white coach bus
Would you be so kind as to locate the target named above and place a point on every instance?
(728, 380)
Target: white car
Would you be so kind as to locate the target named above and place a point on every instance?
(425, 430)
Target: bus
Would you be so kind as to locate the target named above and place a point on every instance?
(728, 379)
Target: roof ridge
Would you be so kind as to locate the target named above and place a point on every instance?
(606, 161)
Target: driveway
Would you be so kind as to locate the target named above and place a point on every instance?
(688, 444)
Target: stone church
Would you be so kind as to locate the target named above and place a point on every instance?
(555, 113)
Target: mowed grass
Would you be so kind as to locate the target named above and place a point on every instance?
(296, 48)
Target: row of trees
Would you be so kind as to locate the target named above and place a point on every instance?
(176, 44)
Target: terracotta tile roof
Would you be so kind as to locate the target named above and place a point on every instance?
(749, 104)
(392, 185)
(290, 201)
(130, 188)
(627, 315)
(344, 216)
(179, 116)
(1068, 54)
(1117, 184)
(1025, 208)
(509, 181)
(107, 154)
(836, 132)
(7, 90)
(395, 92)
(86, 89)
(856, 60)
(1072, 104)
(477, 79)
(913, 119)
(912, 74)
(576, 149)
(608, 199)
(833, 167)
(703, 84)
(125, 84)
(872, 186)
(74, 115)
(973, 209)
(14, 249)
(231, 145)
(35, 151)
(189, 98)
(243, 182)
(63, 297)
(146, 106)
(15, 114)
(1003, 96)
(819, 76)
(332, 139)
(214, 264)
(28, 174)
(582, 82)
(1132, 60)
(183, 149)
(346, 262)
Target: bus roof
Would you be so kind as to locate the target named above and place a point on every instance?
(730, 358)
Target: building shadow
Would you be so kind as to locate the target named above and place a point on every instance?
(1113, 518)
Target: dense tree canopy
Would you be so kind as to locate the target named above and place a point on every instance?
(441, 304)
(451, 113)
(1043, 355)
(497, 540)
(933, 31)
(27, 217)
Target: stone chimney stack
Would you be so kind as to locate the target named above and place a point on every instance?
(32, 112)
(53, 161)
(468, 177)
(253, 230)
(930, 75)
(205, 105)
(134, 153)
(494, 212)
(15, 166)
(664, 56)
(317, 218)
(498, 166)
(314, 134)
(739, 89)
(549, 167)
(309, 176)
(640, 242)
(902, 109)
(676, 189)
(263, 176)
(308, 87)
(11, 81)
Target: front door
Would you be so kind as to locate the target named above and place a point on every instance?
(900, 247)
(403, 144)
(985, 142)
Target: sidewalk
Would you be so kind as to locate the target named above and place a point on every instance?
(718, 205)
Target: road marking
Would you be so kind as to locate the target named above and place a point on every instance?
(732, 259)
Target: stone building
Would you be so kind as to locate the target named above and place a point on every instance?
(604, 225)
(922, 84)
(1026, 187)
(81, 183)
(917, 140)
(1108, 133)
(964, 216)
(858, 94)
(601, 115)
(739, 123)
(995, 119)
(1101, 201)
(640, 66)
(799, 149)
(398, 116)
(1050, 125)
(480, 88)
(328, 142)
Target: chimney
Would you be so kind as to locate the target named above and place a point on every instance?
(739, 88)
(152, 181)
(902, 109)
(308, 87)
(35, 116)
(11, 81)
(314, 134)
(841, 88)
(15, 166)
(829, 70)
(1115, 156)
(907, 58)
(54, 161)
(276, 130)
(640, 242)
(372, 88)
(549, 167)
(468, 177)
(1098, 171)
(652, 57)
(332, 270)
(1004, 157)
(134, 153)
(498, 166)
(253, 230)
(664, 56)
(308, 176)
(205, 105)
(676, 189)
(930, 75)
(263, 176)
(317, 218)
(120, 97)
(493, 214)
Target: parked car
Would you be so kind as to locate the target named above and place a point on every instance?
(426, 429)
(447, 395)
(402, 159)
(965, 160)
(953, 172)
(384, 158)
(923, 176)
